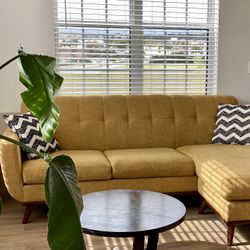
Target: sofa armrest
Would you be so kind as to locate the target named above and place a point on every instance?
(11, 165)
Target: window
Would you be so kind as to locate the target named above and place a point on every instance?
(137, 46)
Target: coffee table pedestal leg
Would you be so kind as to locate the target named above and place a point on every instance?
(152, 241)
(138, 243)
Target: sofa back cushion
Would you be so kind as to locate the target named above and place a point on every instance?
(143, 121)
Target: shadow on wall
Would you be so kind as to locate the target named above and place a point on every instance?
(3, 125)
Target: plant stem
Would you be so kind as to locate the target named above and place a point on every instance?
(45, 157)
(8, 62)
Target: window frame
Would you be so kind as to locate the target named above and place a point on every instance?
(136, 27)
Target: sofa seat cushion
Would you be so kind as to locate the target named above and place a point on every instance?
(90, 165)
(223, 168)
(237, 210)
(149, 162)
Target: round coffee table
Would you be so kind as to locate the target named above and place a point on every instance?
(131, 213)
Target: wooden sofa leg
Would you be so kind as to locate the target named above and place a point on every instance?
(230, 234)
(27, 212)
(203, 206)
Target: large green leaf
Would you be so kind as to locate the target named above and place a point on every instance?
(37, 74)
(64, 199)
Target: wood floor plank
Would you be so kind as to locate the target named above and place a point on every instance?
(197, 232)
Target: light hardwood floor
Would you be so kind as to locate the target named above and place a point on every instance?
(197, 232)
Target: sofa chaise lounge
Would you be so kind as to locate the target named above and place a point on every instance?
(157, 142)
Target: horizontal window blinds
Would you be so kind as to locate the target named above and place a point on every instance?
(137, 46)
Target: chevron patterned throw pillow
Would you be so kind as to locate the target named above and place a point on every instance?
(27, 127)
(232, 125)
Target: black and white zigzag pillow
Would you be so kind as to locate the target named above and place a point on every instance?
(27, 127)
(233, 124)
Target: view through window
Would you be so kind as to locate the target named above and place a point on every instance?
(137, 46)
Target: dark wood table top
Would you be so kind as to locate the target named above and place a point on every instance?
(129, 213)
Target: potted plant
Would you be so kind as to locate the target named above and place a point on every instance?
(62, 191)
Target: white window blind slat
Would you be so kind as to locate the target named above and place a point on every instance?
(137, 46)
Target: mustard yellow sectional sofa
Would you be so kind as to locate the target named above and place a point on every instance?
(156, 142)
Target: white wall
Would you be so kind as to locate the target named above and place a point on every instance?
(25, 22)
(30, 23)
(234, 49)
